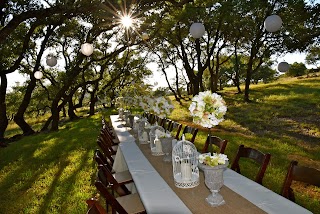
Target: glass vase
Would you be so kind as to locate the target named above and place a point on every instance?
(214, 181)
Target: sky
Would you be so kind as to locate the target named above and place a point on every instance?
(159, 78)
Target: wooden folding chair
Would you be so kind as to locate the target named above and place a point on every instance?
(94, 207)
(259, 157)
(166, 123)
(175, 126)
(217, 141)
(126, 203)
(299, 173)
(190, 130)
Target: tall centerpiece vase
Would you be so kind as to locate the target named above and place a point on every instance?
(214, 181)
(208, 110)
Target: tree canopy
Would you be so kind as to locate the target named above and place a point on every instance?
(235, 48)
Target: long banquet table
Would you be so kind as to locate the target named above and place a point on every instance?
(154, 183)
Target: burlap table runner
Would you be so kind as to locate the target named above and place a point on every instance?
(194, 198)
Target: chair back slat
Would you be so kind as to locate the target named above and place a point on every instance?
(217, 141)
(253, 154)
(299, 173)
(191, 130)
(109, 197)
(105, 174)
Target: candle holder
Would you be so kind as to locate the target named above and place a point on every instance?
(152, 135)
(185, 164)
(167, 148)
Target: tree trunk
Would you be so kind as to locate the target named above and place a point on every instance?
(46, 125)
(248, 79)
(71, 113)
(236, 79)
(19, 117)
(93, 100)
(195, 87)
(55, 114)
(3, 107)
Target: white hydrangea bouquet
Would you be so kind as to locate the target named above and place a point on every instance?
(213, 160)
(145, 102)
(207, 109)
(162, 107)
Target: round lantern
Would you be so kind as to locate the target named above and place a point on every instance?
(283, 67)
(51, 60)
(145, 36)
(38, 75)
(273, 23)
(197, 30)
(87, 49)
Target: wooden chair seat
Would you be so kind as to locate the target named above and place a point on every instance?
(123, 177)
(115, 147)
(131, 203)
(126, 202)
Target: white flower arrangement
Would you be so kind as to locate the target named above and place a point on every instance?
(207, 109)
(213, 160)
(145, 102)
(125, 102)
(162, 107)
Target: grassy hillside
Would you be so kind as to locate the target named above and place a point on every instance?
(283, 119)
(53, 172)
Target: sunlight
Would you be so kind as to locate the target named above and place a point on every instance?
(126, 21)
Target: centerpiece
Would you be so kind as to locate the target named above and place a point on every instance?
(208, 110)
(161, 107)
(213, 167)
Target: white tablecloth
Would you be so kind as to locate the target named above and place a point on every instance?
(155, 193)
(158, 197)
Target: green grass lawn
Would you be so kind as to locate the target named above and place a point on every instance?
(50, 172)
(283, 119)
(54, 172)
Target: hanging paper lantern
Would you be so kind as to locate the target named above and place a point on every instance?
(145, 36)
(51, 60)
(197, 30)
(283, 67)
(273, 23)
(87, 49)
(38, 75)
(155, 83)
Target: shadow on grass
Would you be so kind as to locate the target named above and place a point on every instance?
(50, 172)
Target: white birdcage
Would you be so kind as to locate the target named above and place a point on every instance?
(185, 164)
(155, 146)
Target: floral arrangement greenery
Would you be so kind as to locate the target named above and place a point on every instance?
(213, 160)
(161, 107)
(125, 102)
(145, 102)
(207, 109)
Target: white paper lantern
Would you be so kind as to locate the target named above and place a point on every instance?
(273, 23)
(38, 75)
(283, 67)
(197, 30)
(145, 36)
(87, 49)
(51, 60)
